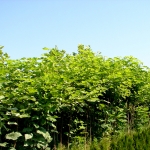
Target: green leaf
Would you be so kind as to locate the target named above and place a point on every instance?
(36, 126)
(45, 134)
(12, 123)
(2, 97)
(45, 48)
(50, 118)
(12, 148)
(93, 99)
(1, 47)
(24, 116)
(13, 108)
(28, 136)
(3, 144)
(13, 135)
(81, 127)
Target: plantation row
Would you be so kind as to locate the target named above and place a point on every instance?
(61, 98)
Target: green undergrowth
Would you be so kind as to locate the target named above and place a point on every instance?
(126, 141)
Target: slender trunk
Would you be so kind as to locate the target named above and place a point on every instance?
(86, 130)
(128, 116)
(149, 116)
(61, 131)
(90, 130)
(70, 118)
(15, 142)
(132, 116)
(85, 141)
(57, 138)
(54, 141)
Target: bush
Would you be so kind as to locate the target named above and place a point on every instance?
(59, 97)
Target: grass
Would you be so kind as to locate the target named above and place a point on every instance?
(104, 144)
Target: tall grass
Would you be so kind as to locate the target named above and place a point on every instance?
(132, 140)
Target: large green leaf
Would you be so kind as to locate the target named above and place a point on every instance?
(28, 136)
(3, 144)
(13, 135)
(2, 97)
(45, 134)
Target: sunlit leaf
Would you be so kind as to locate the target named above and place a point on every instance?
(13, 135)
(28, 136)
(3, 144)
(45, 48)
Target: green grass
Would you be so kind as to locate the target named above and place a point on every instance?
(125, 141)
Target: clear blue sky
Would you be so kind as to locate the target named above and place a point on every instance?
(114, 27)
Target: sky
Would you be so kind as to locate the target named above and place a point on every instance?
(113, 27)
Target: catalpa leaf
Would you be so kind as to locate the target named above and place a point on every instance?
(93, 99)
(50, 118)
(3, 144)
(12, 123)
(28, 136)
(12, 108)
(45, 48)
(1, 46)
(36, 126)
(24, 116)
(13, 135)
(2, 97)
(45, 134)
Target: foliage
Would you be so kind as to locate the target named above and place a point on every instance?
(134, 141)
(62, 98)
(138, 140)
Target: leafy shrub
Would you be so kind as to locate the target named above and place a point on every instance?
(59, 97)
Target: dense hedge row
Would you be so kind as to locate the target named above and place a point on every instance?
(60, 98)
